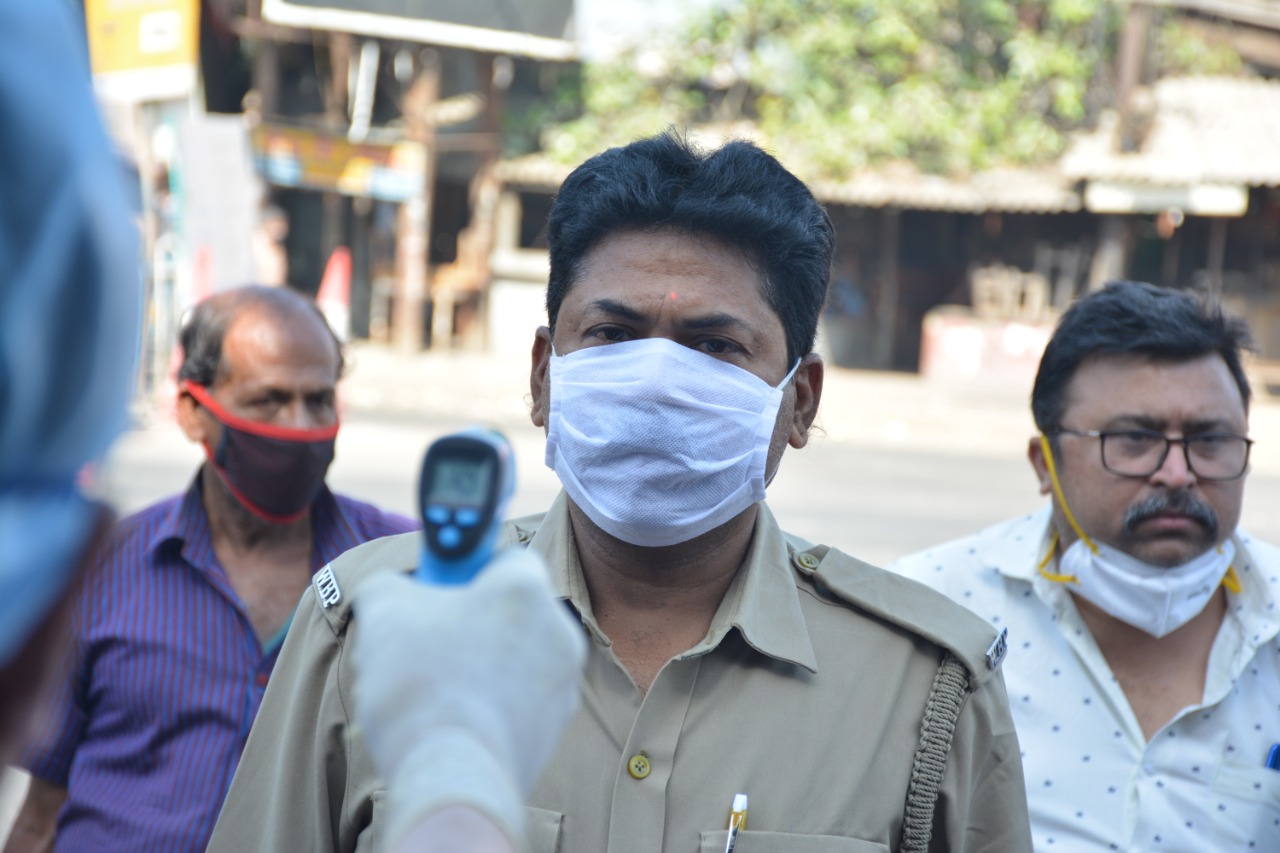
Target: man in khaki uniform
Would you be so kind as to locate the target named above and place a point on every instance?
(858, 711)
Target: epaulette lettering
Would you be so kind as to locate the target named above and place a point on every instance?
(998, 649)
(327, 587)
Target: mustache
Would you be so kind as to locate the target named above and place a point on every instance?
(1180, 502)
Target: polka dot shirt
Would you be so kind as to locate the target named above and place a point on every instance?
(1093, 781)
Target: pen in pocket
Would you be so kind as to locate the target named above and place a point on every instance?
(1273, 757)
(737, 820)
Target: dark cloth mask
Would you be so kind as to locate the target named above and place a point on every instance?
(274, 472)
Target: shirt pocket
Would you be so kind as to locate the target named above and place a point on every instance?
(542, 827)
(786, 842)
(1246, 806)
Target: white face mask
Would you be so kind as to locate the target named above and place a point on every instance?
(1153, 599)
(1150, 598)
(658, 443)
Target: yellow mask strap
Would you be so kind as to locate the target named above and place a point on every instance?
(1231, 580)
(1048, 558)
(1057, 491)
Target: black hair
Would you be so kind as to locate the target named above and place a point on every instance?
(1135, 318)
(205, 328)
(738, 195)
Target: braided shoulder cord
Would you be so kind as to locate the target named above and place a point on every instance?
(941, 711)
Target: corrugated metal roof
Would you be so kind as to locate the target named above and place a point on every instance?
(1009, 190)
(1203, 130)
(532, 171)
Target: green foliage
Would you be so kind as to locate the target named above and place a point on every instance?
(1182, 50)
(954, 86)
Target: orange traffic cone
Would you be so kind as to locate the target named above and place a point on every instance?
(334, 297)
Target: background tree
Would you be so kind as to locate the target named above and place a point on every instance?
(835, 86)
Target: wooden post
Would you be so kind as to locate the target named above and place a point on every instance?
(1216, 256)
(484, 190)
(1133, 49)
(414, 223)
(333, 205)
(1110, 258)
(887, 288)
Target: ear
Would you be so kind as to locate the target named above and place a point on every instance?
(808, 385)
(193, 426)
(1035, 454)
(538, 373)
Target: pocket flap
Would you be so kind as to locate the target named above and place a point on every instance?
(542, 827)
(786, 842)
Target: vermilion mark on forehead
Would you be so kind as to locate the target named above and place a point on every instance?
(673, 295)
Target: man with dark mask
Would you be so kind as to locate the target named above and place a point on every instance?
(854, 709)
(179, 626)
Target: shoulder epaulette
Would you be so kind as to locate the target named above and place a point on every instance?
(905, 603)
(334, 584)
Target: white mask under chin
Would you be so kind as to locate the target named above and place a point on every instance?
(1153, 599)
(658, 443)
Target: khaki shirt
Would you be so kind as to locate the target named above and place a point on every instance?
(807, 695)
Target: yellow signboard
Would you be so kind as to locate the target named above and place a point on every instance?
(300, 157)
(144, 50)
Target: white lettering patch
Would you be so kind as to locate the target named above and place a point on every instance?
(999, 648)
(327, 587)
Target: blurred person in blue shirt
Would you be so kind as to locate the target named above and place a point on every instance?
(69, 312)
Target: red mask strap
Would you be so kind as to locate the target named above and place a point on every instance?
(249, 505)
(205, 399)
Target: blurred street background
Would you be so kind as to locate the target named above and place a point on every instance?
(897, 462)
(983, 162)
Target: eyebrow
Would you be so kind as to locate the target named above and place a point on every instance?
(618, 309)
(714, 320)
(1194, 427)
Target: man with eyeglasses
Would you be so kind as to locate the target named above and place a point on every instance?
(1144, 666)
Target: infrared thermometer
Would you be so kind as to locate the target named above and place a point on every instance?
(467, 480)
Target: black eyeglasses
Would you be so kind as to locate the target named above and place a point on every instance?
(1141, 452)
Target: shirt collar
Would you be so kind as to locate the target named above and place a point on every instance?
(762, 602)
(1018, 551)
(332, 531)
(184, 522)
(187, 524)
(1257, 605)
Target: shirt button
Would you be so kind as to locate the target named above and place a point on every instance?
(638, 767)
(522, 535)
(1149, 769)
(805, 560)
(261, 679)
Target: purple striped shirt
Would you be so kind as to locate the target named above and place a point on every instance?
(167, 679)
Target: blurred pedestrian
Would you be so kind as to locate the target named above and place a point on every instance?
(179, 627)
(69, 313)
(270, 255)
